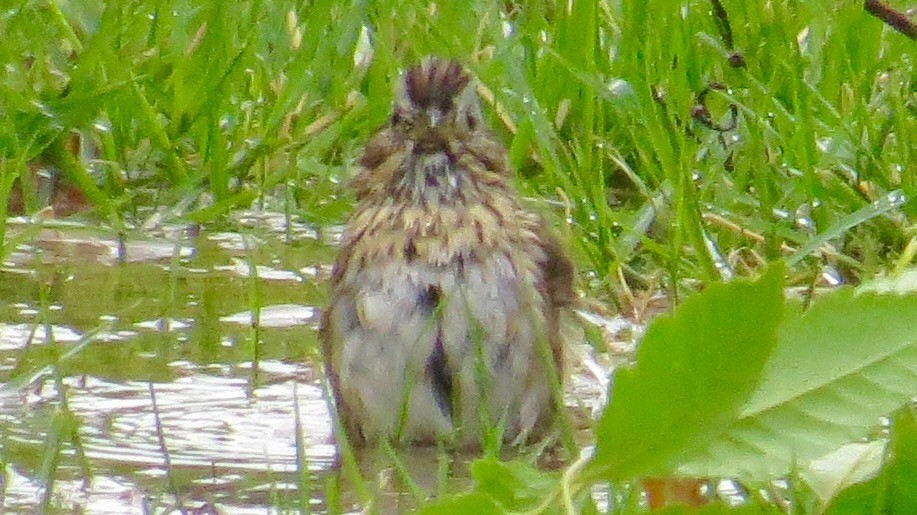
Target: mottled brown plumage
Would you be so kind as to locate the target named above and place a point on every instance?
(443, 318)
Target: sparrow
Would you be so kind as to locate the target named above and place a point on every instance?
(443, 318)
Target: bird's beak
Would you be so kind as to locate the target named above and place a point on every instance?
(436, 117)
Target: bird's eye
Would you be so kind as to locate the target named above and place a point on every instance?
(400, 118)
(471, 120)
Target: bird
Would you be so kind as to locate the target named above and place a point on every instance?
(443, 319)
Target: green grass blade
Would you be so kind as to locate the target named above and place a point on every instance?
(893, 200)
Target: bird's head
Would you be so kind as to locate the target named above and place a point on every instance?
(435, 142)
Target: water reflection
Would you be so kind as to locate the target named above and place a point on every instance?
(174, 320)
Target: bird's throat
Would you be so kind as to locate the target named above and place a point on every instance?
(430, 177)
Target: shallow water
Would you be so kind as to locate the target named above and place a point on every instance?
(172, 321)
(183, 360)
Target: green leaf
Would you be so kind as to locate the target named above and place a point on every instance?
(902, 474)
(460, 504)
(695, 370)
(718, 508)
(895, 489)
(515, 485)
(904, 283)
(851, 464)
(839, 366)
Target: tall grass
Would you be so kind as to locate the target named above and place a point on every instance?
(198, 108)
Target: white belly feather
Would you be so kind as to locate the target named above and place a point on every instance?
(484, 330)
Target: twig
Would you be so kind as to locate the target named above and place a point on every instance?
(734, 227)
(722, 22)
(896, 19)
(826, 249)
(701, 113)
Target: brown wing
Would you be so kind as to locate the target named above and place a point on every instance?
(329, 341)
(558, 275)
(558, 272)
